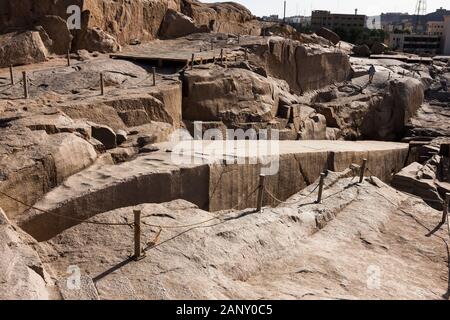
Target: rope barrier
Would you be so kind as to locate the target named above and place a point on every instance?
(292, 202)
(64, 217)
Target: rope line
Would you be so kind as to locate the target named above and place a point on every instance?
(196, 223)
(65, 217)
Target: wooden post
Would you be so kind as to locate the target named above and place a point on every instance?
(221, 55)
(363, 171)
(154, 76)
(102, 84)
(11, 74)
(321, 182)
(445, 211)
(25, 84)
(262, 181)
(192, 61)
(246, 54)
(68, 58)
(137, 235)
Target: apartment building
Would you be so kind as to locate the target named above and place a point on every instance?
(321, 18)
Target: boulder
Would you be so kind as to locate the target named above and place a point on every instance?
(303, 66)
(34, 162)
(105, 135)
(329, 35)
(232, 96)
(176, 24)
(95, 39)
(57, 30)
(121, 137)
(23, 274)
(20, 48)
(379, 48)
(222, 17)
(362, 51)
(380, 113)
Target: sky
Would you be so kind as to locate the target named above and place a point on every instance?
(304, 7)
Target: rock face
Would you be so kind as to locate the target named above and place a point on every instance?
(22, 48)
(304, 66)
(176, 24)
(126, 20)
(430, 180)
(381, 111)
(33, 162)
(329, 35)
(23, 273)
(57, 30)
(363, 224)
(194, 172)
(226, 17)
(95, 39)
(230, 95)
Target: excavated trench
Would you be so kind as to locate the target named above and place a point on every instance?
(212, 185)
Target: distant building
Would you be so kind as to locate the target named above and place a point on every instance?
(445, 48)
(396, 20)
(389, 20)
(299, 20)
(415, 43)
(435, 28)
(322, 18)
(271, 18)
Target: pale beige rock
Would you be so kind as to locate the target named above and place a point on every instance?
(305, 67)
(176, 24)
(22, 274)
(288, 252)
(229, 95)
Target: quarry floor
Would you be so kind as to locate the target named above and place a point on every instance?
(365, 241)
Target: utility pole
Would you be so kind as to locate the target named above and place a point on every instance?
(421, 10)
(284, 16)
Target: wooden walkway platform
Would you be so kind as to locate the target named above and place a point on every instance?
(182, 56)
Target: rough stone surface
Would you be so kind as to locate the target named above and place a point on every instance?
(104, 134)
(23, 276)
(288, 252)
(226, 17)
(21, 48)
(57, 30)
(96, 39)
(229, 95)
(198, 176)
(304, 66)
(329, 35)
(176, 24)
